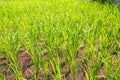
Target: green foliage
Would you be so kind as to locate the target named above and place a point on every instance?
(57, 28)
(103, 1)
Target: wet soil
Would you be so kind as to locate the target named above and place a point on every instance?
(28, 68)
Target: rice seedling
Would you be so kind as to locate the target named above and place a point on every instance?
(51, 33)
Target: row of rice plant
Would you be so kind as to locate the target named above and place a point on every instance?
(57, 29)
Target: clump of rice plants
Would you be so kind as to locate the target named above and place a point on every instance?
(65, 40)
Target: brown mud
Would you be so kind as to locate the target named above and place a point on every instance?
(28, 68)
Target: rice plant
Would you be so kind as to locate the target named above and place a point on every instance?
(52, 32)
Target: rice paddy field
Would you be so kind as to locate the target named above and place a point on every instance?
(59, 40)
